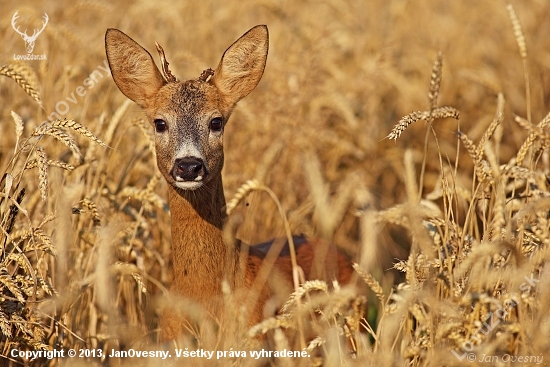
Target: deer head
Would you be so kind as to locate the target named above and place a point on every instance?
(29, 40)
(189, 117)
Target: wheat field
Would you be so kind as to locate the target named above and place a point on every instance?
(413, 135)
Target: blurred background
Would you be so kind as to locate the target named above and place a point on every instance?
(340, 74)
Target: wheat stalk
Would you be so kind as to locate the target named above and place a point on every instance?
(59, 135)
(42, 162)
(445, 112)
(33, 163)
(521, 173)
(22, 82)
(499, 116)
(19, 127)
(78, 128)
(469, 145)
(406, 121)
(46, 241)
(9, 283)
(499, 219)
(522, 46)
(536, 131)
(435, 81)
(90, 205)
(242, 192)
(270, 324)
(372, 283)
(146, 130)
(147, 195)
(117, 117)
(518, 32)
(300, 292)
(26, 71)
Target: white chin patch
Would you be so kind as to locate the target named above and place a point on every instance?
(197, 179)
(189, 185)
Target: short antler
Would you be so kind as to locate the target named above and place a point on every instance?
(206, 75)
(170, 78)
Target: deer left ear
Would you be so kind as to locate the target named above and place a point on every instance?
(132, 67)
(242, 65)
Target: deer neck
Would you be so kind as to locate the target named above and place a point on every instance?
(200, 256)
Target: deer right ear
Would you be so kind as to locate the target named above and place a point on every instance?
(242, 64)
(132, 67)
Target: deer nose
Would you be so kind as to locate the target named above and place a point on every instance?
(189, 169)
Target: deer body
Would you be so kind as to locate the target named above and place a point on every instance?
(189, 118)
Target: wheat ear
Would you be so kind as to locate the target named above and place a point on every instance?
(21, 81)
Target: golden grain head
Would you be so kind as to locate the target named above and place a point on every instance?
(20, 79)
(435, 81)
(518, 32)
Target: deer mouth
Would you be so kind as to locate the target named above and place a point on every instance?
(189, 185)
(189, 173)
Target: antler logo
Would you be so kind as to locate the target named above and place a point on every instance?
(29, 40)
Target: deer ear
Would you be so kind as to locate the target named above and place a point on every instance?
(132, 67)
(242, 65)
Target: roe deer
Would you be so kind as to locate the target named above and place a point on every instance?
(189, 119)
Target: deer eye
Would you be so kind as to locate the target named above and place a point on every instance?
(216, 124)
(160, 126)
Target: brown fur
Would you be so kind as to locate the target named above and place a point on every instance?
(201, 258)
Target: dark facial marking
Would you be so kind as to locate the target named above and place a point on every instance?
(189, 99)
